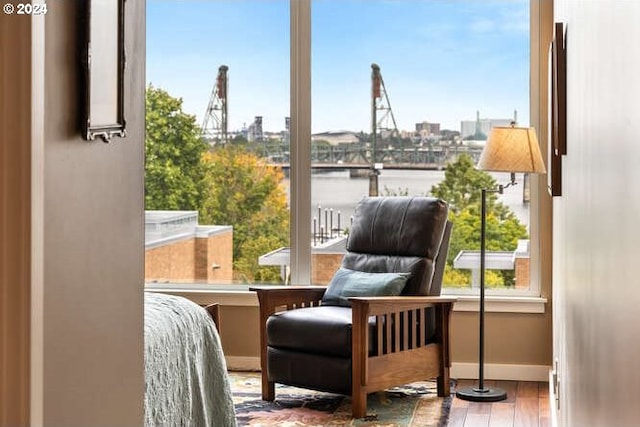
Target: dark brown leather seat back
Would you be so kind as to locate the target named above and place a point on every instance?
(401, 235)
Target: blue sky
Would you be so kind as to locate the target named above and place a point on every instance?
(441, 60)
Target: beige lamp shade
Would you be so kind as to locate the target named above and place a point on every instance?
(512, 149)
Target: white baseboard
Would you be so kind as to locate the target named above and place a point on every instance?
(241, 363)
(496, 371)
(458, 370)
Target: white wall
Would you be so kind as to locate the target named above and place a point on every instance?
(596, 221)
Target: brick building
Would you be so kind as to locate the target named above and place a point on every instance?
(178, 249)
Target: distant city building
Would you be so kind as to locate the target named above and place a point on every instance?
(408, 134)
(425, 129)
(336, 137)
(254, 133)
(271, 136)
(286, 135)
(480, 128)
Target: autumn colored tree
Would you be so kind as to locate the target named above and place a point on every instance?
(245, 192)
(226, 185)
(174, 171)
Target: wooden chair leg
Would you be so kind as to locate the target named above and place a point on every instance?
(359, 405)
(444, 386)
(359, 360)
(268, 387)
(443, 311)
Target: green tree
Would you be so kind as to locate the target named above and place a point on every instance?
(245, 192)
(462, 189)
(462, 185)
(173, 151)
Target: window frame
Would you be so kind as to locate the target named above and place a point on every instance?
(301, 164)
(300, 182)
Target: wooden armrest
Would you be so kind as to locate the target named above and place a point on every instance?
(409, 299)
(271, 297)
(379, 305)
(269, 288)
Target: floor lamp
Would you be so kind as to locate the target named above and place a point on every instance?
(508, 149)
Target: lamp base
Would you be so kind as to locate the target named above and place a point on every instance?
(475, 394)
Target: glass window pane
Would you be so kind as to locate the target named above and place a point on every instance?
(404, 95)
(217, 120)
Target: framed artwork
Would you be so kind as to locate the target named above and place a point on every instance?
(104, 63)
(557, 139)
(560, 92)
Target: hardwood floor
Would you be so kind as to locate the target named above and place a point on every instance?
(527, 405)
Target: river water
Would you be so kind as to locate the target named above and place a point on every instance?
(336, 190)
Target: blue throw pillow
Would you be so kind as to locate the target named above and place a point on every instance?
(349, 283)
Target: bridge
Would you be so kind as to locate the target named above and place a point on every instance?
(358, 155)
(363, 166)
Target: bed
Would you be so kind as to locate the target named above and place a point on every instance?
(186, 381)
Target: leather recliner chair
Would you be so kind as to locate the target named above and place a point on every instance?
(376, 342)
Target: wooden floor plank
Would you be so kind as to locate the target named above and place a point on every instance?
(502, 414)
(477, 420)
(527, 389)
(457, 417)
(543, 403)
(527, 405)
(527, 412)
(459, 403)
(479, 408)
(510, 387)
(543, 410)
(543, 390)
(544, 422)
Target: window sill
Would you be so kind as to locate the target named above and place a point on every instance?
(239, 295)
(501, 304)
(203, 294)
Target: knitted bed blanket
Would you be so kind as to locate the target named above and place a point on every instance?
(186, 382)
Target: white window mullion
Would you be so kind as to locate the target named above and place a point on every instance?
(300, 149)
(541, 28)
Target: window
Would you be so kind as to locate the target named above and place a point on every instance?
(402, 90)
(399, 91)
(217, 118)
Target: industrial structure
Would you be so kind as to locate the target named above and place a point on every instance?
(381, 119)
(214, 124)
(363, 154)
(254, 133)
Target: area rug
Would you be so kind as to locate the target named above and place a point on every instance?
(415, 404)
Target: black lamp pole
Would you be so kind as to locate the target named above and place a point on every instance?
(507, 149)
(482, 393)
